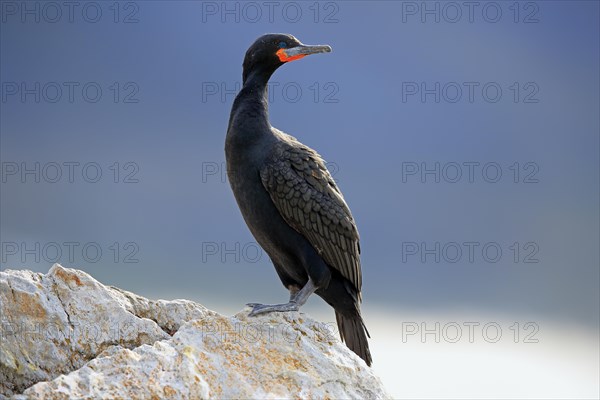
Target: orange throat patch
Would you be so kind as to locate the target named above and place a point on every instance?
(283, 57)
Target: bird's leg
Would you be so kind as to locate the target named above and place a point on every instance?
(294, 289)
(296, 301)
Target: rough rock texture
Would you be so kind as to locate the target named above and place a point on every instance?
(282, 355)
(55, 323)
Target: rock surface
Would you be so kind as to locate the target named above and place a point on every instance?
(109, 343)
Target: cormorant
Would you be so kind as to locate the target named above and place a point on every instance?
(289, 200)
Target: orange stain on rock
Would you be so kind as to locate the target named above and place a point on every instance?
(67, 277)
(29, 305)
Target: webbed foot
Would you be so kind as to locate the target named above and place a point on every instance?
(258, 308)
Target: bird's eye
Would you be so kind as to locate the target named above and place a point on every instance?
(282, 45)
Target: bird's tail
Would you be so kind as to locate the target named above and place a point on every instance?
(354, 332)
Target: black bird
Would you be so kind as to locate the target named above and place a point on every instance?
(289, 200)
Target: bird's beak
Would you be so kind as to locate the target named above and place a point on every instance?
(296, 53)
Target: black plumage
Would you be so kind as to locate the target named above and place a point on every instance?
(289, 200)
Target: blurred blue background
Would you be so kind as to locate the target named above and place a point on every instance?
(140, 92)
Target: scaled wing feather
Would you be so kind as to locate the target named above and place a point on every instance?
(309, 200)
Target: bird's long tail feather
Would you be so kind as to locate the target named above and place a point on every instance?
(354, 332)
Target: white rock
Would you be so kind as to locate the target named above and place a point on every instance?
(278, 355)
(55, 323)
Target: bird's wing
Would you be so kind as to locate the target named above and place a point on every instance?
(309, 200)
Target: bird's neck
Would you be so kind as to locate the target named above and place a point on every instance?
(254, 100)
(250, 110)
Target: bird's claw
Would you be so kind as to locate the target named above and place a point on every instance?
(258, 308)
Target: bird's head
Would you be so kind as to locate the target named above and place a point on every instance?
(271, 51)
